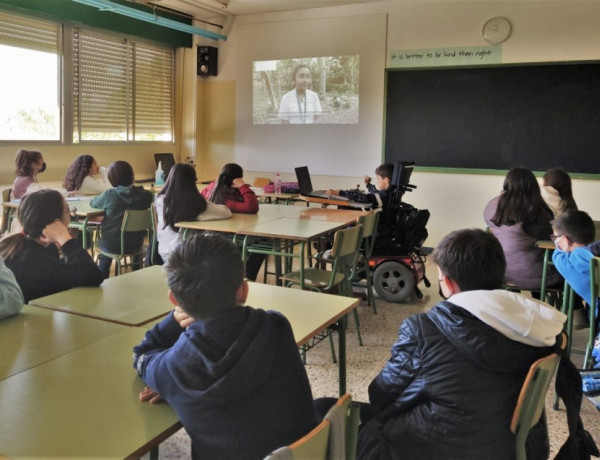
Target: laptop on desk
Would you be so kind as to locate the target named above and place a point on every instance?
(306, 189)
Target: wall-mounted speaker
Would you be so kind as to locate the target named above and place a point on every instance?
(207, 61)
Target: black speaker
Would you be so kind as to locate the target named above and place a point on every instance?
(207, 61)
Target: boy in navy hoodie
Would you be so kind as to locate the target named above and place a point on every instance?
(232, 373)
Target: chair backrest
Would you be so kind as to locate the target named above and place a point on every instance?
(594, 296)
(136, 221)
(532, 399)
(344, 419)
(6, 212)
(312, 446)
(345, 249)
(369, 223)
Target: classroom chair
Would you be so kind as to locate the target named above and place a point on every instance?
(313, 446)
(133, 221)
(595, 297)
(344, 254)
(532, 399)
(344, 417)
(7, 213)
(369, 223)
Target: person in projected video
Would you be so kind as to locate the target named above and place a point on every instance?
(301, 105)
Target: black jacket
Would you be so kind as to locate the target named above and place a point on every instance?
(449, 391)
(40, 272)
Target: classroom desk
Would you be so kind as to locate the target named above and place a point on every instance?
(36, 335)
(324, 202)
(331, 215)
(132, 299)
(308, 312)
(283, 234)
(85, 403)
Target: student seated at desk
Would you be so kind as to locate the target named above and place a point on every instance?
(231, 190)
(382, 189)
(557, 191)
(80, 178)
(519, 218)
(574, 233)
(123, 196)
(455, 373)
(28, 164)
(179, 201)
(33, 255)
(231, 372)
(11, 297)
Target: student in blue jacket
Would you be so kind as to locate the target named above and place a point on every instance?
(123, 196)
(232, 373)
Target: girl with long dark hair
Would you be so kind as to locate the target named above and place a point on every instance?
(80, 177)
(179, 201)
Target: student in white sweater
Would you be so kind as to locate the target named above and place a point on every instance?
(80, 177)
(178, 201)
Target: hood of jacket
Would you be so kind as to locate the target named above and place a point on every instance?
(519, 318)
(231, 347)
(131, 194)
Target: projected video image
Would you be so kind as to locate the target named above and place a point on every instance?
(318, 90)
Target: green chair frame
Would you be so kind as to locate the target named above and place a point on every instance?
(595, 296)
(133, 221)
(7, 213)
(344, 254)
(532, 399)
(369, 223)
(312, 446)
(344, 417)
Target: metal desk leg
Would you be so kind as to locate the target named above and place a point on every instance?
(342, 353)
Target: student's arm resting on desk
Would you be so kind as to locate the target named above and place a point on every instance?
(390, 391)
(574, 266)
(11, 298)
(215, 212)
(149, 356)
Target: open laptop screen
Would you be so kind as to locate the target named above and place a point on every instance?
(304, 182)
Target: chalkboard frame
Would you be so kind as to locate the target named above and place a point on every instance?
(392, 153)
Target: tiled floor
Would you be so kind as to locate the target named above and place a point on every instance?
(378, 333)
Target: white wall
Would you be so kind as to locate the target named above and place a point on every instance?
(543, 31)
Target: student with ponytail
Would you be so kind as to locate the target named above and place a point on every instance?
(231, 190)
(34, 255)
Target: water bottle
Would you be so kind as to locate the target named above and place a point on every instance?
(277, 183)
(159, 176)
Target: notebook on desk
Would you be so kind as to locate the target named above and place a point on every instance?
(306, 189)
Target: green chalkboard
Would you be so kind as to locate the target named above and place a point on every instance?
(493, 118)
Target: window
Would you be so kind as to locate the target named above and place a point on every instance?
(29, 81)
(122, 90)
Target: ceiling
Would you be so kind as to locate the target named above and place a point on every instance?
(206, 9)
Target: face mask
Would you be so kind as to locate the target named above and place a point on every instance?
(43, 168)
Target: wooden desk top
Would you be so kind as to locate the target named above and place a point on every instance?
(331, 215)
(240, 221)
(132, 299)
(334, 202)
(308, 312)
(83, 404)
(37, 335)
(80, 203)
(545, 244)
(289, 228)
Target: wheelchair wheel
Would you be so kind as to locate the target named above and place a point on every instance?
(393, 281)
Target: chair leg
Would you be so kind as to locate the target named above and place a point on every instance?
(370, 296)
(330, 334)
(357, 322)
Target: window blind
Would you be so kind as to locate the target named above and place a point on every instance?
(122, 90)
(28, 33)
